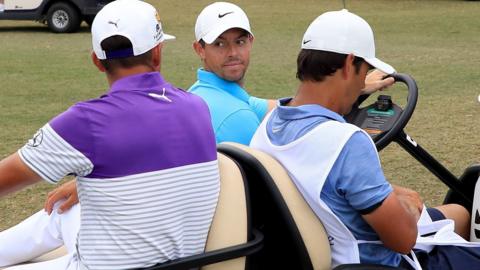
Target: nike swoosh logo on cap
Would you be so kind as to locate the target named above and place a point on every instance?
(306, 41)
(224, 14)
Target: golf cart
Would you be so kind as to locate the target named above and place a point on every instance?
(61, 16)
(278, 228)
(293, 236)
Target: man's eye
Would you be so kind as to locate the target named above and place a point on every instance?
(241, 41)
(219, 44)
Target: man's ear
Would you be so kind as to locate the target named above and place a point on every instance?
(251, 38)
(97, 63)
(348, 66)
(197, 47)
(157, 56)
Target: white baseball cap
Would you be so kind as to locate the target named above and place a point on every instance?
(217, 18)
(346, 33)
(136, 20)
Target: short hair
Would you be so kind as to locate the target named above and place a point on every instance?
(315, 65)
(117, 42)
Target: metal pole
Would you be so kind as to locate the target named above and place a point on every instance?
(433, 166)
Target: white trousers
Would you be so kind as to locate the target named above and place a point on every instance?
(39, 234)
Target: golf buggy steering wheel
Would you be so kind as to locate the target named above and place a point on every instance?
(384, 120)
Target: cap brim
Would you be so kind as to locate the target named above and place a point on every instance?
(215, 33)
(168, 37)
(380, 65)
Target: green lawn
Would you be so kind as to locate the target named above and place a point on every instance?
(437, 42)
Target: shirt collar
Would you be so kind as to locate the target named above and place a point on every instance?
(232, 88)
(305, 111)
(139, 82)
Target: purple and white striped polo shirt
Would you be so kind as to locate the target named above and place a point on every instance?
(146, 162)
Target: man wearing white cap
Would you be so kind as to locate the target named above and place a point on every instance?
(335, 165)
(142, 161)
(223, 43)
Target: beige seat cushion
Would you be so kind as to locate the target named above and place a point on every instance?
(229, 225)
(309, 225)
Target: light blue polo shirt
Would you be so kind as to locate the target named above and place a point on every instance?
(235, 114)
(356, 182)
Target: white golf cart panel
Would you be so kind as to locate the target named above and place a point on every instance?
(474, 225)
(22, 4)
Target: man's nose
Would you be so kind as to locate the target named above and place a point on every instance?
(232, 50)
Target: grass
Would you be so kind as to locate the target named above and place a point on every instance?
(42, 74)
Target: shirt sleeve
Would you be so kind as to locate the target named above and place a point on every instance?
(238, 127)
(51, 156)
(361, 180)
(259, 106)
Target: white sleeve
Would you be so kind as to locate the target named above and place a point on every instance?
(51, 157)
